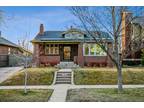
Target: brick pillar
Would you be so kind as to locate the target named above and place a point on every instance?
(110, 49)
(80, 58)
(36, 55)
(126, 31)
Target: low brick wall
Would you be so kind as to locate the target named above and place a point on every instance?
(96, 61)
(49, 60)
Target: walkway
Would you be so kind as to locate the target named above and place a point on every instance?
(69, 86)
(5, 72)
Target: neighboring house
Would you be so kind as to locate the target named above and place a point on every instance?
(72, 45)
(132, 36)
(9, 50)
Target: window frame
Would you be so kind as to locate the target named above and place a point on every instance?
(89, 47)
(52, 51)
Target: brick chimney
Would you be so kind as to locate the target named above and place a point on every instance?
(41, 31)
(126, 29)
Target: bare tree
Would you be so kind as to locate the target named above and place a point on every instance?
(108, 19)
(24, 43)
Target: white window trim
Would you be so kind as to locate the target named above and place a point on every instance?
(89, 51)
(53, 52)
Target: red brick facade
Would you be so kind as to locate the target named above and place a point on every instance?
(126, 31)
(41, 59)
(36, 54)
(49, 60)
(80, 58)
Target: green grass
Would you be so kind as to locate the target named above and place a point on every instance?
(92, 76)
(105, 95)
(19, 96)
(36, 76)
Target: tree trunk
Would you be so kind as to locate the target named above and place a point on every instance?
(25, 82)
(25, 89)
(119, 70)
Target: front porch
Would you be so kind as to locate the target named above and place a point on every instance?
(82, 54)
(51, 54)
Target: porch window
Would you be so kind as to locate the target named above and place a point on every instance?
(86, 49)
(51, 49)
(93, 50)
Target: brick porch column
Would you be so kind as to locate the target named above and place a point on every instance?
(80, 58)
(36, 54)
(109, 61)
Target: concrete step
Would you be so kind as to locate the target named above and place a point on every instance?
(63, 82)
(63, 77)
(66, 65)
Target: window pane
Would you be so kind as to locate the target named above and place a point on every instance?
(46, 49)
(57, 50)
(99, 50)
(86, 49)
(92, 49)
(51, 49)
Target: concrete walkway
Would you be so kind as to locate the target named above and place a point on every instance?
(5, 72)
(69, 86)
(59, 94)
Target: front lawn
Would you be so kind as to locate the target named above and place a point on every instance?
(19, 96)
(36, 76)
(105, 95)
(92, 76)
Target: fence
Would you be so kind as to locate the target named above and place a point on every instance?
(14, 60)
(3, 60)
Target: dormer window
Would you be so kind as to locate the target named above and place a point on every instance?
(74, 35)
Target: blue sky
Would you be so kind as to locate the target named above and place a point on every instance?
(25, 21)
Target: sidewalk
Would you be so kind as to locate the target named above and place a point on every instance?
(69, 86)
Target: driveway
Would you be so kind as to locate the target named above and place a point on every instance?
(5, 72)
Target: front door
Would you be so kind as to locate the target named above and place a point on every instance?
(67, 53)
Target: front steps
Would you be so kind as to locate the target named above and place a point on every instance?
(63, 77)
(67, 65)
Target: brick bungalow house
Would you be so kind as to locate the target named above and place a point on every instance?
(72, 45)
(54, 47)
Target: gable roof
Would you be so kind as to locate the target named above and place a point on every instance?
(58, 36)
(6, 42)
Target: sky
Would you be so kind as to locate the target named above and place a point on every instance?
(19, 22)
